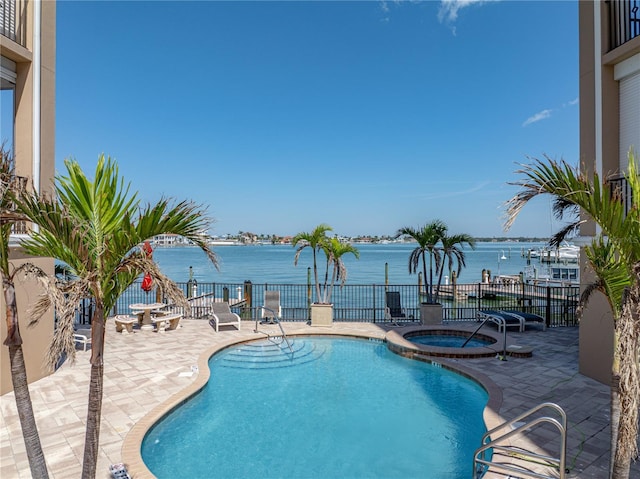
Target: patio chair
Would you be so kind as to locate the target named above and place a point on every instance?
(271, 309)
(221, 315)
(82, 337)
(501, 319)
(528, 319)
(394, 310)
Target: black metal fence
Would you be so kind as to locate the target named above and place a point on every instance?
(367, 303)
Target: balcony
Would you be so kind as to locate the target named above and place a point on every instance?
(13, 20)
(624, 21)
(620, 188)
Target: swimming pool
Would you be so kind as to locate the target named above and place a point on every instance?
(351, 408)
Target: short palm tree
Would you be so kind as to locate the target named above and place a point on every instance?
(427, 238)
(10, 187)
(614, 256)
(315, 240)
(453, 254)
(95, 228)
(334, 250)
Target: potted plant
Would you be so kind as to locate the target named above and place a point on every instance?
(433, 240)
(333, 249)
(452, 253)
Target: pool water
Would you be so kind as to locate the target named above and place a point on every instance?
(342, 408)
(449, 341)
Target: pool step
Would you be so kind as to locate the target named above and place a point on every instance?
(265, 354)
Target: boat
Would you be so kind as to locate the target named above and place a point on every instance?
(566, 253)
(553, 274)
(224, 242)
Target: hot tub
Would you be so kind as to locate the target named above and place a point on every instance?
(447, 342)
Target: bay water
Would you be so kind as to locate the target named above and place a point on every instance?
(274, 264)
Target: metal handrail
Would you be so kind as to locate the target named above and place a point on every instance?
(488, 443)
(277, 321)
(500, 322)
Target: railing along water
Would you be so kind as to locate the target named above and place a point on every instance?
(366, 303)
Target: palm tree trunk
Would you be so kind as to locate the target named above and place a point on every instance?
(426, 280)
(628, 385)
(315, 276)
(615, 423)
(96, 390)
(430, 278)
(92, 434)
(437, 298)
(325, 291)
(32, 444)
(20, 383)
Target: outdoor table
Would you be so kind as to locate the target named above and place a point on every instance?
(146, 308)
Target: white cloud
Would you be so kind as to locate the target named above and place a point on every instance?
(449, 8)
(449, 194)
(542, 115)
(571, 103)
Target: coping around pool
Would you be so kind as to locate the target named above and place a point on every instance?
(132, 444)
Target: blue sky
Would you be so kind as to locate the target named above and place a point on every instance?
(278, 116)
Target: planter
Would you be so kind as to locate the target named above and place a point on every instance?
(321, 314)
(431, 313)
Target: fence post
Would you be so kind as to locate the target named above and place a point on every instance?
(548, 308)
(248, 293)
(374, 302)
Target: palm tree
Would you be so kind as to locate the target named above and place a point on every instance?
(451, 248)
(11, 186)
(95, 227)
(314, 240)
(614, 256)
(427, 238)
(334, 251)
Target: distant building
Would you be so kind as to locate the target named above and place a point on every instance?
(168, 240)
(27, 80)
(609, 126)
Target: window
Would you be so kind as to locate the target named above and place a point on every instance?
(7, 102)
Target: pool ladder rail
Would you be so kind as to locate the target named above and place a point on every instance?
(271, 338)
(494, 438)
(500, 322)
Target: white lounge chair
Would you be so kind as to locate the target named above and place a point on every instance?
(82, 337)
(502, 319)
(271, 309)
(528, 319)
(221, 314)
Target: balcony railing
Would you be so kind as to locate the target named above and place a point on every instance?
(620, 187)
(13, 20)
(624, 21)
(18, 184)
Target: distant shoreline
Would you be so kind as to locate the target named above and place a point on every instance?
(356, 241)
